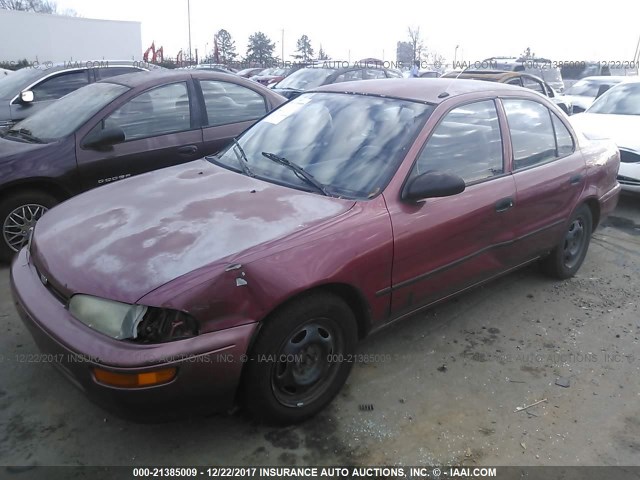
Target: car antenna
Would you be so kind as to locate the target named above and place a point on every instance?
(445, 94)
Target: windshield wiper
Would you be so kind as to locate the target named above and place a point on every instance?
(24, 133)
(242, 160)
(299, 172)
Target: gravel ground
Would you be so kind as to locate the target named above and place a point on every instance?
(444, 387)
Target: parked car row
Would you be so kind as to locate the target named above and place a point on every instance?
(317, 76)
(520, 79)
(350, 206)
(616, 115)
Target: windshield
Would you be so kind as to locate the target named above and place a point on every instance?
(66, 115)
(350, 144)
(13, 84)
(623, 99)
(587, 88)
(307, 78)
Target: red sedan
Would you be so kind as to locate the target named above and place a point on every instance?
(251, 275)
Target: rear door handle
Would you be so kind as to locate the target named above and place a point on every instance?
(188, 149)
(504, 204)
(576, 179)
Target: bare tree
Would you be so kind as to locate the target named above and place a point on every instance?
(416, 43)
(37, 6)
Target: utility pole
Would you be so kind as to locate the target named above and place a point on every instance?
(189, 19)
(282, 46)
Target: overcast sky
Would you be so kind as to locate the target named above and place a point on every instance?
(353, 29)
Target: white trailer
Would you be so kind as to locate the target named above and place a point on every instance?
(42, 38)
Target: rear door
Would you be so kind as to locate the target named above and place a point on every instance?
(549, 173)
(443, 245)
(229, 109)
(161, 129)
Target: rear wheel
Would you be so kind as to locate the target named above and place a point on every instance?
(300, 359)
(19, 213)
(565, 260)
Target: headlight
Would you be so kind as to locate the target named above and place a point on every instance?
(139, 323)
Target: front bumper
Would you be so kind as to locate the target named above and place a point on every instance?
(208, 366)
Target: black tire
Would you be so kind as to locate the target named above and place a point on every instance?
(565, 260)
(32, 201)
(320, 329)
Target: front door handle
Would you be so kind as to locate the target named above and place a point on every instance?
(188, 149)
(504, 204)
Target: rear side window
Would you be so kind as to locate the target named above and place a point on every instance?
(230, 103)
(371, 73)
(59, 85)
(109, 72)
(533, 133)
(563, 138)
(533, 85)
(467, 143)
(351, 75)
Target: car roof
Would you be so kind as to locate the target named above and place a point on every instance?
(136, 79)
(607, 78)
(427, 90)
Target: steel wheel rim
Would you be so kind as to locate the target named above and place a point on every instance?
(19, 222)
(305, 367)
(574, 242)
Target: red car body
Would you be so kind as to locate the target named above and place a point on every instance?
(229, 250)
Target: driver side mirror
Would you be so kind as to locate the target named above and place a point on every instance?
(104, 139)
(432, 185)
(26, 97)
(602, 89)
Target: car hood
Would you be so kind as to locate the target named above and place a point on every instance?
(622, 129)
(124, 240)
(12, 148)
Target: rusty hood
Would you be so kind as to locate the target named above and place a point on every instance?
(124, 240)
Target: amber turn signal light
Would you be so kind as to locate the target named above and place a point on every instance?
(134, 380)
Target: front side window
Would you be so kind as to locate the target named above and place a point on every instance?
(230, 103)
(467, 143)
(533, 131)
(159, 111)
(351, 144)
(60, 85)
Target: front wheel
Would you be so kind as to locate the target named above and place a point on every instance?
(565, 260)
(19, 213)
(300, 359)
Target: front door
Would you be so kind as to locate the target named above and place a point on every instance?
(159, 129)
(444, 245)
